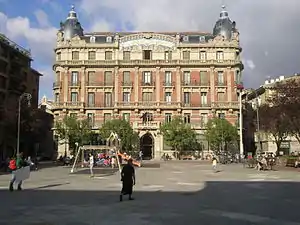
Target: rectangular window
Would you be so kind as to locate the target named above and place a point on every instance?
(203, 98)
(74, 115)
(220, 56)
(168, 97)
(126, 116)
(168, 78)
(186, 55)
(221, 96)
(92, 55)
(186, 97)
(126, 97)
(57, 97)
(91, 99)
(91, 119)
(126, 78)
(74, 78)
(221, 115)
(126, 55)
(147, 54)
(108, 99)
(74, 97)
(204, 78)
(147, 96)
(108, 55)
(91, 77)
(221, 78)
(168, 117)
(187, 118)
(107, 117)
(204, 119)
(186, 77)
(108, 78)
(147, 78)
(168, 55)
(75, 55)
(202, 56)
(237, 77)
(58, 56)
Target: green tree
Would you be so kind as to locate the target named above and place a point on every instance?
(74, 130)
(129, 138)
(220, 134)
(180, 136)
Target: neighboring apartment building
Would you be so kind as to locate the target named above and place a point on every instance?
(155, 76)
(258, 97)
(16, 77)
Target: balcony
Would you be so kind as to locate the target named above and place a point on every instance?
(190, 83)
(68, 105)
(226, 105)
(150, 125)
(196, 105)
(74, 84)
(168, 84)
(221, 83)
(127, 84)
(126, 105)
(169, 105)
(113, 63)
(147, 84)
(99, 105)
(99, 84)
(56, 84)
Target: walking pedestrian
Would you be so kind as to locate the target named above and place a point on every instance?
(214, 164)
(91, 162)
(128, 180)
(14, 165)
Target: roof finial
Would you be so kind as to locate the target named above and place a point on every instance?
(72, 13)
(224, 7)
(224, 13)
(72, 7)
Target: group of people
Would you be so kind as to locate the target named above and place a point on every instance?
(103, 159)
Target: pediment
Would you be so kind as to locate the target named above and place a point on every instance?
(147, 41)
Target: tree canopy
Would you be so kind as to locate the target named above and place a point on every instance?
(180, 136)
(129, 138)
(74, 130)
(220, 134)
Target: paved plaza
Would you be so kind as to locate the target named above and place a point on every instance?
(176, 193)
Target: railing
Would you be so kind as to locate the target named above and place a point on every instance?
(223, 83)
(145, 84)
(127, 83)
(68, 105)
(145, 62)
(168, 84)
(99, 83)
(148, 125)
(57, 84)
(195, 105)
(14, 45)
(234, 105)
(99, 105)
(74, 84)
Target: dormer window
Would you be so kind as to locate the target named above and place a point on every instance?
(202, 38)
(185, 38)
(92, 39)
(109, 39)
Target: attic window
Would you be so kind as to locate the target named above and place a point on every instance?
(109, 39)
(186, 38)
(202, 38)
(92, 39)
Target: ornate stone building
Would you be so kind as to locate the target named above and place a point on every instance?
(105, 75)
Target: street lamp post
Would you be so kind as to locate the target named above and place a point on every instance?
(28, 97)
(258, 124)
(241, 124)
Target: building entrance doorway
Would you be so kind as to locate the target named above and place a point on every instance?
(147, 146)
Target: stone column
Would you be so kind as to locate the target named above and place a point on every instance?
(212, 84)
(136, 84)
(82, 82)
(66, 85)
(157, 84)
(116, 77)
(178, 85)
(229, 84)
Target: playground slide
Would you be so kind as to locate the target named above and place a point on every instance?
(126, 157)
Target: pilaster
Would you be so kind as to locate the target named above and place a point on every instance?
(178, 85)
(157, 84)
(136, 84)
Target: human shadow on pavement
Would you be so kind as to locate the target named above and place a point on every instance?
(219, 202)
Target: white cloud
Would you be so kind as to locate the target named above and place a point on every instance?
(40, 40)
(42, 18)
(250, 64)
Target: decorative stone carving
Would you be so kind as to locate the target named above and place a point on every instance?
(236, 36)
(59, 36)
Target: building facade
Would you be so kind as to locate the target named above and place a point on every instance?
(105, 75)
(253, 100)
(16, 77)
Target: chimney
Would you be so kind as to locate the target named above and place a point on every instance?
(281, 78)
(277, 79)
(266, 82)
(272, 81)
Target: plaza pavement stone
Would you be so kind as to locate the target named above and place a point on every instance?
(176, 193)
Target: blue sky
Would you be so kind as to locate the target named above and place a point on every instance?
(267, 28)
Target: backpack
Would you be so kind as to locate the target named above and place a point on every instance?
(12, 164)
